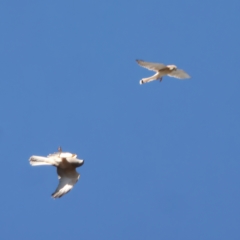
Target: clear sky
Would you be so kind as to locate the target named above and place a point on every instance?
(161, 159)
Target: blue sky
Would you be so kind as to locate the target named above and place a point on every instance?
(161, 159)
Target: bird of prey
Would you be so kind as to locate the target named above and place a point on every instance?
(66, 164)
(161, 70)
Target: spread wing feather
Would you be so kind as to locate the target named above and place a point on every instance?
(179, 73)
(67, 179)
(151, 66)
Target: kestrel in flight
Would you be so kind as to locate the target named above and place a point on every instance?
(161, 70)
(66, 164)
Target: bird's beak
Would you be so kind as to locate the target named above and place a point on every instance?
(82, 163)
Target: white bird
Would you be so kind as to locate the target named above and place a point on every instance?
(66, 164)
(161, 70)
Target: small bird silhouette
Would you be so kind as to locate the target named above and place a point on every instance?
(161, 70)
(66, 164)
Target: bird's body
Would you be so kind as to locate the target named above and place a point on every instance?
(161, 70)
(66, 164)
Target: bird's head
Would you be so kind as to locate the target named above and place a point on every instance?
(172, 67)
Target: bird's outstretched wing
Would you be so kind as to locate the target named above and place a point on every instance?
(151, 66)
(67, 179)
(179, 73)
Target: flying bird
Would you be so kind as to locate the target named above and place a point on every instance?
(161, 70)
(66, 164)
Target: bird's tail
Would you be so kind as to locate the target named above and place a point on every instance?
(37, 161)
(149, 79)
